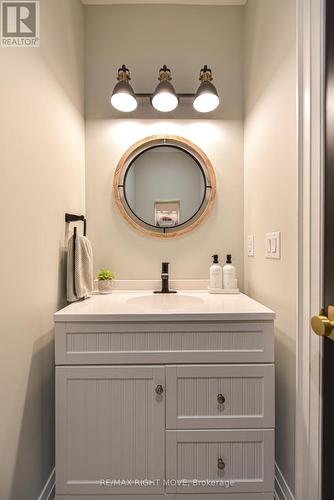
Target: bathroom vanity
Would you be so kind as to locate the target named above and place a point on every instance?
(165, 395)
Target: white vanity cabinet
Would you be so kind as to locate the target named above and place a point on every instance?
(172, 407)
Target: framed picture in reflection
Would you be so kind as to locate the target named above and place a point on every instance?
(167, 213)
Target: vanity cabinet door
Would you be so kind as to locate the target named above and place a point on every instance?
(110, 425)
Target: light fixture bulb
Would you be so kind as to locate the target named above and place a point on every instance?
(206, 98)
(206, 102)
(164, 98)
(124, 101)
(123, 97)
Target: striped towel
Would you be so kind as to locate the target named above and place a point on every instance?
(80, 276)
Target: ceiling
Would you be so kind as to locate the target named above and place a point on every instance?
(180, 2)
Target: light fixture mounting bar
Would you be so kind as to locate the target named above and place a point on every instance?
(146, 95)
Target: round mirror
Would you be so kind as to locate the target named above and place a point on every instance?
(164, 185)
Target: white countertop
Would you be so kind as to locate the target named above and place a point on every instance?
(184, 306)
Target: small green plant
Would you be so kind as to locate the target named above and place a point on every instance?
(105, 274)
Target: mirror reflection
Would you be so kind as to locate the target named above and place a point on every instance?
(164, 186)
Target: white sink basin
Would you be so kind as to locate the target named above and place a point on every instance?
(168, 302)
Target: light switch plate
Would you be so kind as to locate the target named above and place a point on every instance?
(272, 243)
(250, 245)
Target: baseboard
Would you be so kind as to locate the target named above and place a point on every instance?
(48, 492)
(282, 490)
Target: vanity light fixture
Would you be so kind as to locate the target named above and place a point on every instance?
(206, 99)
(164, 98)
(123, 97)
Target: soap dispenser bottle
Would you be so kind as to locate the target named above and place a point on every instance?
(216, 274)
(229, 274)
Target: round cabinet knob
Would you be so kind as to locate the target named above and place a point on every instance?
(159, 389)
(220, 464)
(220, 399)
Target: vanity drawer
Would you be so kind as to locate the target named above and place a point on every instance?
(218, 397)
(233, 461)
(165, 342)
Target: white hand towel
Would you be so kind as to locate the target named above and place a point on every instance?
(79, 284)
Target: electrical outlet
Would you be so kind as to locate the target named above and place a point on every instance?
(250, 245)
(273, 245)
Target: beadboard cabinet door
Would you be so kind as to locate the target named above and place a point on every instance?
(110, 425)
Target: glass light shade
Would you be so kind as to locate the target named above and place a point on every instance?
(123, 97)
(164, 98)
(206, 98)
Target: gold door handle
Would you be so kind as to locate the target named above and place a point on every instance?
(323, 325)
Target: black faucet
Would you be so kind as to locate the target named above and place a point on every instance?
(165, 279)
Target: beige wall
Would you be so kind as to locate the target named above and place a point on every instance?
(186, 38)
(42, 176)
(271, 192)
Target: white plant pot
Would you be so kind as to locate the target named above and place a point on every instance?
(104, 286)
